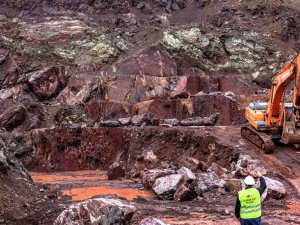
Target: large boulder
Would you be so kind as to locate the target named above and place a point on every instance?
(220, 171)
(48, 82)
(149, 176)
(247, 166)
(165, 187)
(275, 189)
(219, 109)
(151, 221)
(185, 192)
(188, 175)
(12, 114)
(115, 171)
(192, 163)
(207, 182)
(97, 211)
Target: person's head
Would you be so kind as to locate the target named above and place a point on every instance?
(249, 181)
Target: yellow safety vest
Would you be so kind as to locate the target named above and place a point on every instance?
(250, 203)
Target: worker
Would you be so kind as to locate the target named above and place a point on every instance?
(248, 203)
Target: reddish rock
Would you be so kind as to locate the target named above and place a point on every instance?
(275, 189)
(48, 82)
(191, 85)
(236, 85)
(248, 166)
(188, 175)
(149, 176)
(75, 149)
(150, 61)
(209, 104)
(80, 89)
(189, 162)
(221, 172)
(115, 171)
(165, 187)
(8, 69)
(255, 166)
(147, 160)
(183, 193)
(166, 109)
(207, 182)
(104, 110)
(11, 114)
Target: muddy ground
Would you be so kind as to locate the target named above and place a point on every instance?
(59, 189)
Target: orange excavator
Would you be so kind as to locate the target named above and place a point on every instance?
(276, 119)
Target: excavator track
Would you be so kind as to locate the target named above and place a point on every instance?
(259, 139)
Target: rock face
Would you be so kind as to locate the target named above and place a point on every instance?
(71, 148)
(239, 53)
(97, 211)
(48, 82)
(8, 163)
(12, 114)
(165, 187)
(161, 63)
(151, 221)
(195, 121)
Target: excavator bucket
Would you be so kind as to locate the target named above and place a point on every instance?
(290, 133)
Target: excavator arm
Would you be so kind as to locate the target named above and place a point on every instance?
(275, 110)
(291, 128)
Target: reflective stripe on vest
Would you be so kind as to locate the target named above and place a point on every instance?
(250, 203)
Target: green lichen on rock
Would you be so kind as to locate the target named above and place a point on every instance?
(63, 39)
(243, 54)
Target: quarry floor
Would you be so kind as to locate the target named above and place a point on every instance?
(214, 208)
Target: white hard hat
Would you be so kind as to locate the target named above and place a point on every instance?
(249, 180)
